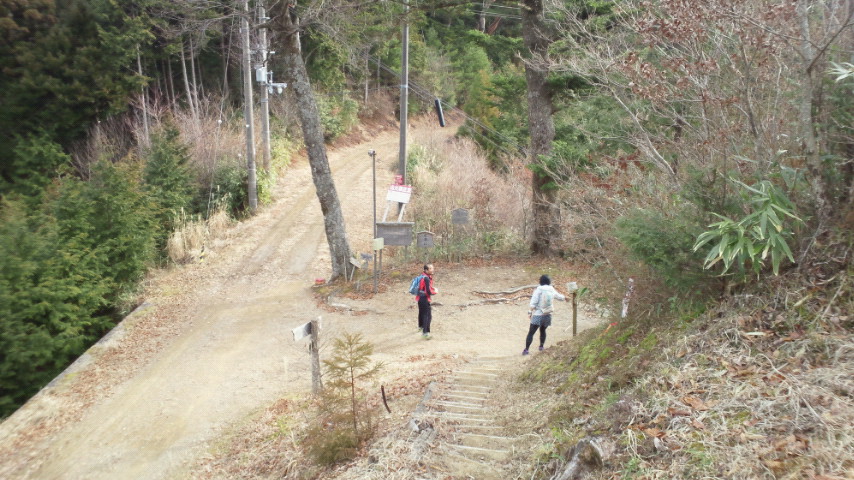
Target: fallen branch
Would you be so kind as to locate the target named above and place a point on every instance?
(487, 301)
(382, 389)
(507, 292)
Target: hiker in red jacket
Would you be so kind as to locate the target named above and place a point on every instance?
(426, 289)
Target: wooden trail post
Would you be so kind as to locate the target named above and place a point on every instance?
(316, 381)
(572, 287)
(312, 329)
(628, 297)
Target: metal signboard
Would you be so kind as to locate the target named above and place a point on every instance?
(399, 193)
(424, 239)
(378, 244)
(397, 234)
(459, 216)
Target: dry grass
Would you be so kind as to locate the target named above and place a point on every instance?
(455, 175)
(187, 243)
(760, 387)
(273, 445)
(266, 447)
(743, 401)
(213, 138)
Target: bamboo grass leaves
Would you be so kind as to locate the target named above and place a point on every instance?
(748, 242)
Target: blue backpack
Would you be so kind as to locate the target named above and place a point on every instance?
(416, 282)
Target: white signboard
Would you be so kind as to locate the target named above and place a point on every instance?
(302, 331)
(399, 193)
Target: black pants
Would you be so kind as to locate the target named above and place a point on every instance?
(425, 314)
(530, 337)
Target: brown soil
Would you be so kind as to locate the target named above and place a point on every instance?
(212, 344)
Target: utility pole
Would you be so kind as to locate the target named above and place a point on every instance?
(247, 111)
(265, 106)
(373, 155)
(404, 90)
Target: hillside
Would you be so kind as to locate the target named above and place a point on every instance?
(204, 379)
(211, 345)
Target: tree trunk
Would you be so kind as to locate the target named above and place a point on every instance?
(805, 113)
(173, 99)
(187, 84)
(297, 78)
(144, 102)
(541, 128)
(194, 84)
(226, 55)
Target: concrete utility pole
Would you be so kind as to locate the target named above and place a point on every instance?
(404, 90)
(265, 106)
(247, 110)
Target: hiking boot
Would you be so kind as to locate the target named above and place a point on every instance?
(426, 336)
(525, 352)
(542, 348)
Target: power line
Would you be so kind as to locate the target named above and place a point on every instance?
(499, 15)
(427, 95)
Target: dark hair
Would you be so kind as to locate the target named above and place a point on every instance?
(426, 266)
(545, 280)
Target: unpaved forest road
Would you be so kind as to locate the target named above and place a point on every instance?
(213, 344)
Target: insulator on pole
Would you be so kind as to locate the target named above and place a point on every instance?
(439, 113)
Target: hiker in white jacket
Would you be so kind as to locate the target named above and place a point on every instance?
(540, 311)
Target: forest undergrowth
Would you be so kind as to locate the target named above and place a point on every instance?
(754, 385)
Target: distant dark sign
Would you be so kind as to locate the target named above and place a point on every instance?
(397, 234)
(424, 239)
(459, 216)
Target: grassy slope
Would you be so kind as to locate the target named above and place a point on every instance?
(757, 386)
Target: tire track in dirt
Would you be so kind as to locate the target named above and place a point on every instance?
(231, 355)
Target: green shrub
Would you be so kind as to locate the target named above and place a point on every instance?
(53, 291)
(665, 243)
(110, 213)
(168, 179)
(228, 188)
(337, 115)
(34, 162)
(346, 420)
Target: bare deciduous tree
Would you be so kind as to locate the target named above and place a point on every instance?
(724, 87)
(288, 26)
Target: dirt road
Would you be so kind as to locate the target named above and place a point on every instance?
(212, 344)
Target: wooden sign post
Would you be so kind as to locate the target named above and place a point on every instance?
(379, 244)
(424, 239)
(395, 234)
(572, 287)
(312, 328)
